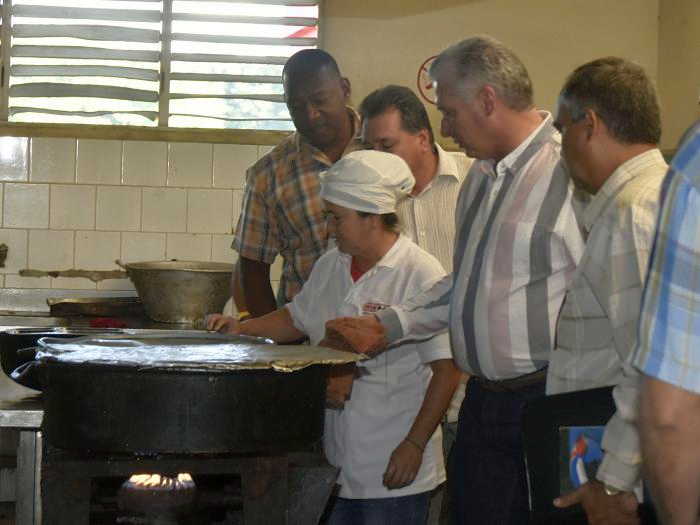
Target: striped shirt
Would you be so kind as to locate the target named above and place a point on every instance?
(597, 328)
(669, 328)
(428, 218)
(516, 248)
(282, 210)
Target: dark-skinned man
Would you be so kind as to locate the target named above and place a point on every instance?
(282, 210)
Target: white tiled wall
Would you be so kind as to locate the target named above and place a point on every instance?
(74, 203)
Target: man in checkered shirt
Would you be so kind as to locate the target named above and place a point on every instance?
(282, 209)
(668, 352)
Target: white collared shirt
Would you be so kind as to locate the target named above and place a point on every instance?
(597, 327)
(429, 218)
(390, 390)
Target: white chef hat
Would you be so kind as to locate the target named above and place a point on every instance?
(367, 180)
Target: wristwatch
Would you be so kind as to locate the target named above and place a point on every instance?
(610, 490)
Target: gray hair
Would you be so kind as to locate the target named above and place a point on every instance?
(482, 60)
(622, 95)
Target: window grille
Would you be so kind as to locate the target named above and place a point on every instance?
(177, 63)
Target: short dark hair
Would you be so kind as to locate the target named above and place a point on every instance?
(414, 117)
(390, 221)
(620, 93)
(309, 62)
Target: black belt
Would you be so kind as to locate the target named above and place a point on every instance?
(513, 384)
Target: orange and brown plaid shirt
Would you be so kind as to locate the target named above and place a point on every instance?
(282, 209)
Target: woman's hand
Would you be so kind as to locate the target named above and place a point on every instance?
(403, 465)
(223, 323)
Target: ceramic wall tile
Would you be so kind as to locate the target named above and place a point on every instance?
(138, 247)
(17, 281)
(99, 161)
(115, 284)
(52, 160)
(231, 162)
(118, 208)
(16, 242)
(14, 159)
(72, 207)
(221, 250)
(97, 250)
(190, 165)
(188, 247)
(145, 163)
(26, 205)
(51, 250)
(72, 283)
(209, 211)
(164, 210)
(237, 207)
(276, 269)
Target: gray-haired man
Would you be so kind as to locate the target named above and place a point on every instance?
(516, 249)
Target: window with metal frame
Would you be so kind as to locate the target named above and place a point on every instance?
(176, 63)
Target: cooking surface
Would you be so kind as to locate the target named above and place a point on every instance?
(25, 319)
(188, 350)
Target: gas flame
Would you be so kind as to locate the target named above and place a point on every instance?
(158, 482)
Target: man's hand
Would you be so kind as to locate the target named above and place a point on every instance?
(601, 509)
(363, 335)
(403, 465)
(222, 323)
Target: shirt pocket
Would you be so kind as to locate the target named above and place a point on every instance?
(582, 323)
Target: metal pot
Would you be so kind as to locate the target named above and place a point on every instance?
(180, 291)
(125, 409)
(18, 348)
(183, 393)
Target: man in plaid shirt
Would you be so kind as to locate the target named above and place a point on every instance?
(282, 209)
(668, 352)
(610, 123)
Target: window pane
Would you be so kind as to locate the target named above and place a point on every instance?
(262, 35)
(80, 62)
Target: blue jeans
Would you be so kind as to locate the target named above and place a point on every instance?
(404, 510)
(488, 471)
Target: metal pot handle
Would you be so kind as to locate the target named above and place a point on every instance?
(29, 374)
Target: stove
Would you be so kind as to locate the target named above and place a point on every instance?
(56, 486)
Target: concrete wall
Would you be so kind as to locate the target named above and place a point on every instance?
(679, 66)
(380, 42)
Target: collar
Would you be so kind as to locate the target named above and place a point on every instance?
(391, 259)
(446, 164)
(621, 176)
(446, 169)
(532, 143)
(301, 142)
